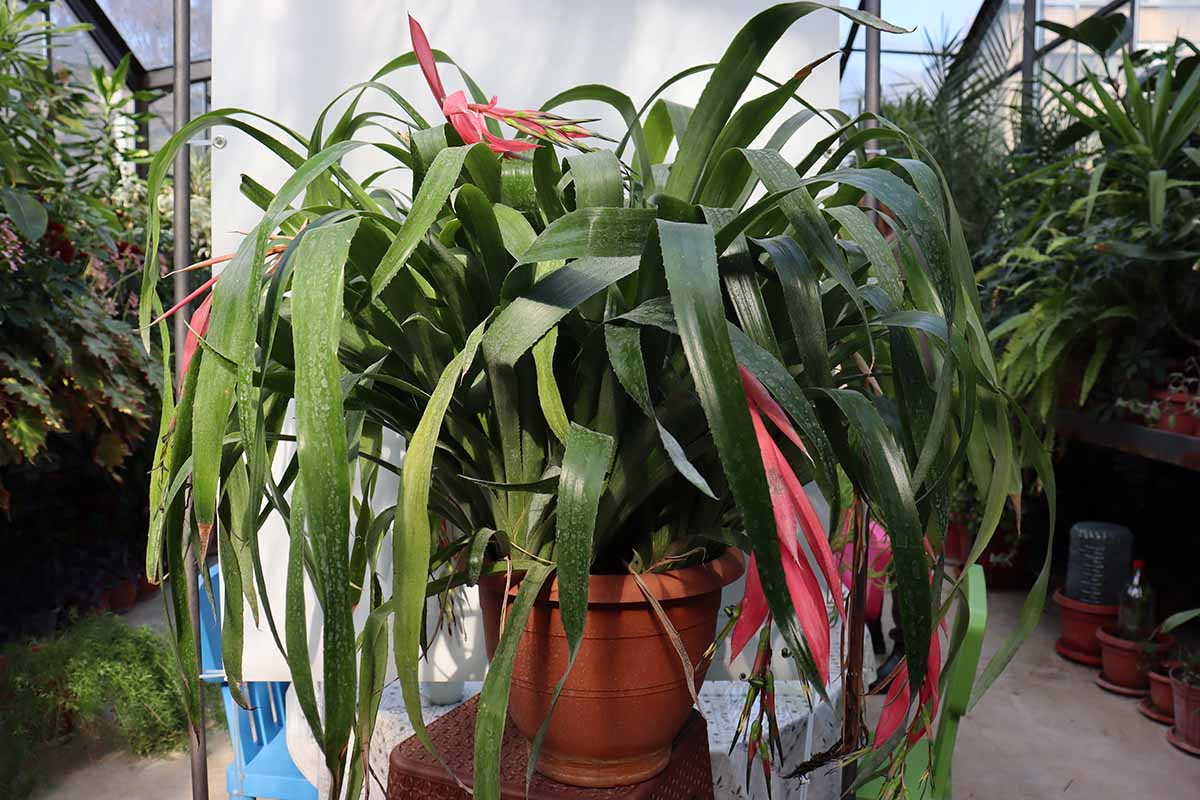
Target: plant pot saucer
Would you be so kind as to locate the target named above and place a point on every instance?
(1116, 688)
(1078, 656)
(1176, 740)
(1153, 713)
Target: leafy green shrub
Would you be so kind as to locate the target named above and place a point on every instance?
(100, 675)
(70, 203)
(1092, 259)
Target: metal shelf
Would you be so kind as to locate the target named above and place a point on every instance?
(1169, 448)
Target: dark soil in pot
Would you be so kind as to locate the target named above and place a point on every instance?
(626, 697)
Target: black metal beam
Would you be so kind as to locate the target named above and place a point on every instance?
(982, 23)
(164, 77)
(106, 36)
(848, 47)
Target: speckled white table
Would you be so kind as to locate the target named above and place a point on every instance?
(720, 702)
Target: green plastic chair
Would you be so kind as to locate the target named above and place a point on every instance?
(959, 679)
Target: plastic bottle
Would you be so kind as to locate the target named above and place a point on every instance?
(1135, 617)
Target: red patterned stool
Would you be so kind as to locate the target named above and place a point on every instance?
(415, 775)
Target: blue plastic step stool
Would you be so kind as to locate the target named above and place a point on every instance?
(262, 766)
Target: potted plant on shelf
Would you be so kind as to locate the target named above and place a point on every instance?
(612, 377)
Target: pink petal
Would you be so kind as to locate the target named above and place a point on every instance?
(197, 327)
(468, 127)
(425, 59)
(457, 104)
(895, 707)
(499, 145)
(754, 612)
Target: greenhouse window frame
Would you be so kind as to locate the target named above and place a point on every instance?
(114, 48)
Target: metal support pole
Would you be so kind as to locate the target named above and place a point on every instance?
(852, 686)
(183, 255)
(1133, 26)
(1028, 62)
(871, 87)
(183, 166)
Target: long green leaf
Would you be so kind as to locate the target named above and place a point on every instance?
(435, 189)
(493, 699)
(527, 319)
(595, 232)
(585, 463)
(625, 355)
(324, 476)
(730, 79)
(411, 541)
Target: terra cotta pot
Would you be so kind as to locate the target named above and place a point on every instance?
(1126, 662)
(1187, 712)
(626, 698)
(1160, 693)
(122, 596)
(1080, 621)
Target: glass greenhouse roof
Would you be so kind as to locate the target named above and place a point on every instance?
(146, 26)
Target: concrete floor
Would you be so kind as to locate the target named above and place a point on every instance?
(1043, 731)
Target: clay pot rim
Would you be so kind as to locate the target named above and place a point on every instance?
(678, 584)
(1160, 677)
(1107, 634)
(1178, 681)
(1082, 607)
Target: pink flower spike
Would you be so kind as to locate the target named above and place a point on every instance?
(204, 287)
(814, 533)
(809, 605)
(425, 59)
(757, 394)
(197, 327)
(808, 601)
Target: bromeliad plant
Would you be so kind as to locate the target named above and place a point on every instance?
(582, 355)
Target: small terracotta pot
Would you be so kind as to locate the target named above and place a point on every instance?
(122, 596)
(1160, 693)
(1126, 662)
(1080, 621)
(626, 698)
(1174, 416)
(957, 543)
(1186, 698)
(145, 588)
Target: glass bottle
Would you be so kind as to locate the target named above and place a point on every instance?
(1135, 616)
